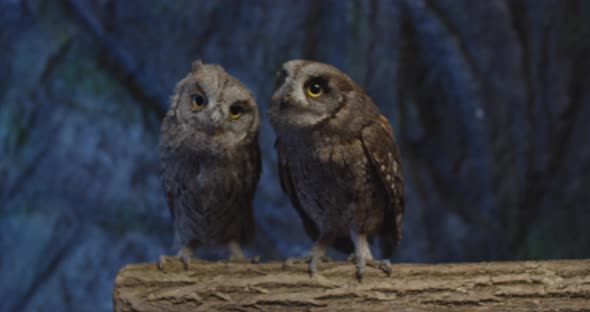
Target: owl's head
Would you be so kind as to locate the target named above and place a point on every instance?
(215, 110)
(308, 94)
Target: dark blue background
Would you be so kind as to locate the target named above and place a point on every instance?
(489, 101)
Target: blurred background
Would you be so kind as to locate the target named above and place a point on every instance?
(490, 102)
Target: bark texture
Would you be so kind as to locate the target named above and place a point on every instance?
(488, 286)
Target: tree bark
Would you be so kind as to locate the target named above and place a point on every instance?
(221, 286)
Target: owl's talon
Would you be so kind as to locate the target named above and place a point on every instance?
(255, 260)
(184, 255)
(290, 262)
(186, 260)
(161, 263)
(383, 265)
(360, 272)
(360, 269)
(251, 260)
(312, 263)
(312, 268)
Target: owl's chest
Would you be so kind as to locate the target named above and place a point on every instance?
(220, 184)
(330, 159)
(329, 176)
(202, 184)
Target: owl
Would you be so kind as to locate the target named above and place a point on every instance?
(210, 161)
(338, 162)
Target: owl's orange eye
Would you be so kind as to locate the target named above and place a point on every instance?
(198, 101)
(315, 90)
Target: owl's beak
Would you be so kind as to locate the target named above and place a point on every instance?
(216, 120)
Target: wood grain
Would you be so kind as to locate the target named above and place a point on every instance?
(221, 286)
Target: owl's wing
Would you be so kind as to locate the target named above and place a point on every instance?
(381, 148)
(289, 188)
(168, 128)
(252, 167)
(169, 196)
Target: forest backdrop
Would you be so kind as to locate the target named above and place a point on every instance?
(490, 101)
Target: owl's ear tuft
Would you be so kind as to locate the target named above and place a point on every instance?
(196, 64)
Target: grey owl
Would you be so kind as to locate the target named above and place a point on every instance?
(210, 161)
(338, 163)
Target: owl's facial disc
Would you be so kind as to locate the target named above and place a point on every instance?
(304, 100)
(215, 111)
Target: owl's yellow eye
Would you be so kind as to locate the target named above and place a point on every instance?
(314, 90)
(236, 111)
(198, 101)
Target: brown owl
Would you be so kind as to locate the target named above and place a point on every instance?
(338, 163)
(210, 161)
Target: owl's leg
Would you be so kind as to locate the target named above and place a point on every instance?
(364, 258)
(237, 255)
(184, 254)
(316, 255)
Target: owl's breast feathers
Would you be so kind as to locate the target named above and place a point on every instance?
(213, 191)
(373, 144)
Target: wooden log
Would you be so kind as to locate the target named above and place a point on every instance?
(221, 286)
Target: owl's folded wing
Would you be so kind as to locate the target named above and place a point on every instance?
(381, 149)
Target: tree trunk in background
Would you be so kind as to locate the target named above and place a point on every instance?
(493, 286)
(492, 95)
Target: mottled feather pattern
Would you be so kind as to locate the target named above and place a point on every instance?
(338, 159)
(214, 205)
(210, 160)
(380, 148)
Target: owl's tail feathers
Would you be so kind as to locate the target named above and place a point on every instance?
(387, 244)
(344, 245)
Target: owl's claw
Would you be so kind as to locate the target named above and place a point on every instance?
(165, 260)
(312, 262)
(185, 255)
(290, 262)
(186, 261)
(237, 255)
(383, 265)
(252, 260)
(161, 263)
(360, 268)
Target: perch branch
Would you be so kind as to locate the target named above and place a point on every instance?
(220, 286)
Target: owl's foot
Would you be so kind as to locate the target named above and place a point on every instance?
(185, 255)
(362, 256)
(254, 260)
(237, 255)
(383, 265)
(162, 262)
(311, 260)
(317, 254)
